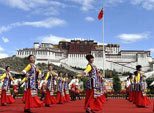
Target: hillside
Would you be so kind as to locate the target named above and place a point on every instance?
(18, 64)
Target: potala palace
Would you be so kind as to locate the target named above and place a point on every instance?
(72, 54)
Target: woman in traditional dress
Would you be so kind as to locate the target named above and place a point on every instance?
(43, 90)
(6, 97)
(24, 84)
(72, 87)
(60, 89)
(92, 102)
(134, 90)
(77, 88)
(15, 84)
(102, 87)
(142, 100)
(66, 88)
(131, 88)
(50, 78)
(32, 99)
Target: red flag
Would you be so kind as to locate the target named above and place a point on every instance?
(100, 15)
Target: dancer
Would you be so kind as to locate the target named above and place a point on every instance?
(32, 99)
(38, 77)
(66, 89)
(15, 84)
(77, 88)
(127, 87)
(142, 100)
(24, 84)
(134, 90)
(6, 78)
(72, 86)
(60, 87)
(102, 87)
(49, 98)
(43, 89)
(99, 91)
(131, 88)
(92, 103)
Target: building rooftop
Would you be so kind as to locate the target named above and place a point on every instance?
(134, 51)
(41, 49)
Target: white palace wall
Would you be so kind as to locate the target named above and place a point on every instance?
(116, 59)
(118, 63)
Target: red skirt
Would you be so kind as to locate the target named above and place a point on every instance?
(6, 99)
(130, 96)
(134, 97)
(142, 101)
(104, 98)
(128, 89)
(153, 107)
(67, 96)
(49, 99)
(91, 102)
(100, 98)
(73, 88)
(15, 89)
(32, 102)
(60, 99)
(24, 97)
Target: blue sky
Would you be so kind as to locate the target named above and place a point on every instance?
(129, 23)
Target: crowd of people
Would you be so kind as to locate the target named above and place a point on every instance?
(136, 87)
(55, 88)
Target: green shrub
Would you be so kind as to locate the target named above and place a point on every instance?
(116, 84)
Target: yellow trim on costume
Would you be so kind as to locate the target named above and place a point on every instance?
(64, 79)
(3, 77)
(48, 74)
(137, 78)
(131, 80)
(88, 68)
(58, 78)
(39, 71)
(55, 74)
(11, 78)
(23, 80)
(101, 75)
(28, 68)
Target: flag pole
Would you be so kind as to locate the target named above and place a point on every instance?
(103, 47)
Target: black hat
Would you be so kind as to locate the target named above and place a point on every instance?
(138, 67)
(88, 57)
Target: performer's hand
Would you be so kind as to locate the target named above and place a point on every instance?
(83, 74)
(26, 75)
(22, 73)
(39, 76)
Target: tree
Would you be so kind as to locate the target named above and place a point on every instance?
(116, 84)
(149, 81)
(85, 79)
